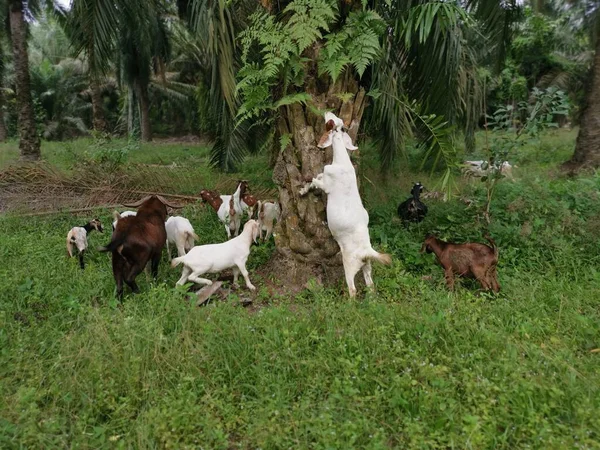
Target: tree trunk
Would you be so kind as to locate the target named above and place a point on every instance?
(587, 148)
(305, 246)
(29, 141)
(98, 120)
(3, 132)
(142, 94)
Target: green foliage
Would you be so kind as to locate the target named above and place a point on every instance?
(356, 44)
(411, 366)
(271, 79)
(546, 106)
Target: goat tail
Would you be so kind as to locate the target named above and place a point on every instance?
(176, 261)
(192, 235)
(492, 243)
(112, 245)
(383, 258)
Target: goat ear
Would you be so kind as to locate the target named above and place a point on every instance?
(138, 203)
(326, 140)
(348, 142)
(165, 202)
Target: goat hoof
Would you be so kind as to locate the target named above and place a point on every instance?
(252, 287)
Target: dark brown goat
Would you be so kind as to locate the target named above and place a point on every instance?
(137, 240)
(469, 260)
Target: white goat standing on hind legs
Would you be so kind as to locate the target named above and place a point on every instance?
(348, 220)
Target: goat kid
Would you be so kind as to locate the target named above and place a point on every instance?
(413, 209)
(228, 208)
(181, 233)
(469, 260)
(137, 240)
(347, 219)
(247, 200)
(77, 237)
(268, 214)
(215, 258)
(478, 169)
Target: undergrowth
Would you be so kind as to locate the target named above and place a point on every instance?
(412, 366)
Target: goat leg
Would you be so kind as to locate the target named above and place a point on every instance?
(81, 262)
(155, 263)
(316, 183)
(242, 268)
(449, 278)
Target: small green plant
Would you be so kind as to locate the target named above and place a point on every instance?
(540, 113)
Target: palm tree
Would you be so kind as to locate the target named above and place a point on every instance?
(144, 47)
(3, 132)
(213, 26)
(29, 141)
(587, 147)
(91, 26)
(303, 57)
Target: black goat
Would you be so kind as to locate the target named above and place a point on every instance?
(413, 209)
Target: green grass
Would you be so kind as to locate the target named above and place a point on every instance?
(63, 155)
(410, 367)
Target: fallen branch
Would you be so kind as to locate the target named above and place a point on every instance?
(66, 211)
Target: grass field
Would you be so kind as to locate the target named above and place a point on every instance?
(412, 366)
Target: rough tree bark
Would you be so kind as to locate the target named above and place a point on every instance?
(29, 141)
(98, 118)
(3, 132)
(142, 94)
(305, 246)
(587, 148)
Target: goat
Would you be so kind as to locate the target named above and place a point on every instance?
(137, 240)
(347, 219)
(482, 168)
(469, 260)
(117, 215)
(228, 208)
(212, 198)
(214, 258)
(77, 236)
(413, 209)
(268, 212)
(247, 200)
(181, 233)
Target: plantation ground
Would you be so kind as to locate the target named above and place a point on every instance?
(410, 367)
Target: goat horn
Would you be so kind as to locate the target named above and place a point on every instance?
(138, 203)
(165, 202)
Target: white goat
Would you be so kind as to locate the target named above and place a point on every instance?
(77, 237)
(181, 233)
(230, 212)
(268, 213)
(214, 258)
(481, 168)
(348, 220)
(117, 215)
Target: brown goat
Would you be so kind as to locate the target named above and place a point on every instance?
(469, 260)
(212, 198)
(137, 240)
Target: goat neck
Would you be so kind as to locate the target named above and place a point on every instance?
(434, 245)
(247, 234)
(88, 227)
(340, 154)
